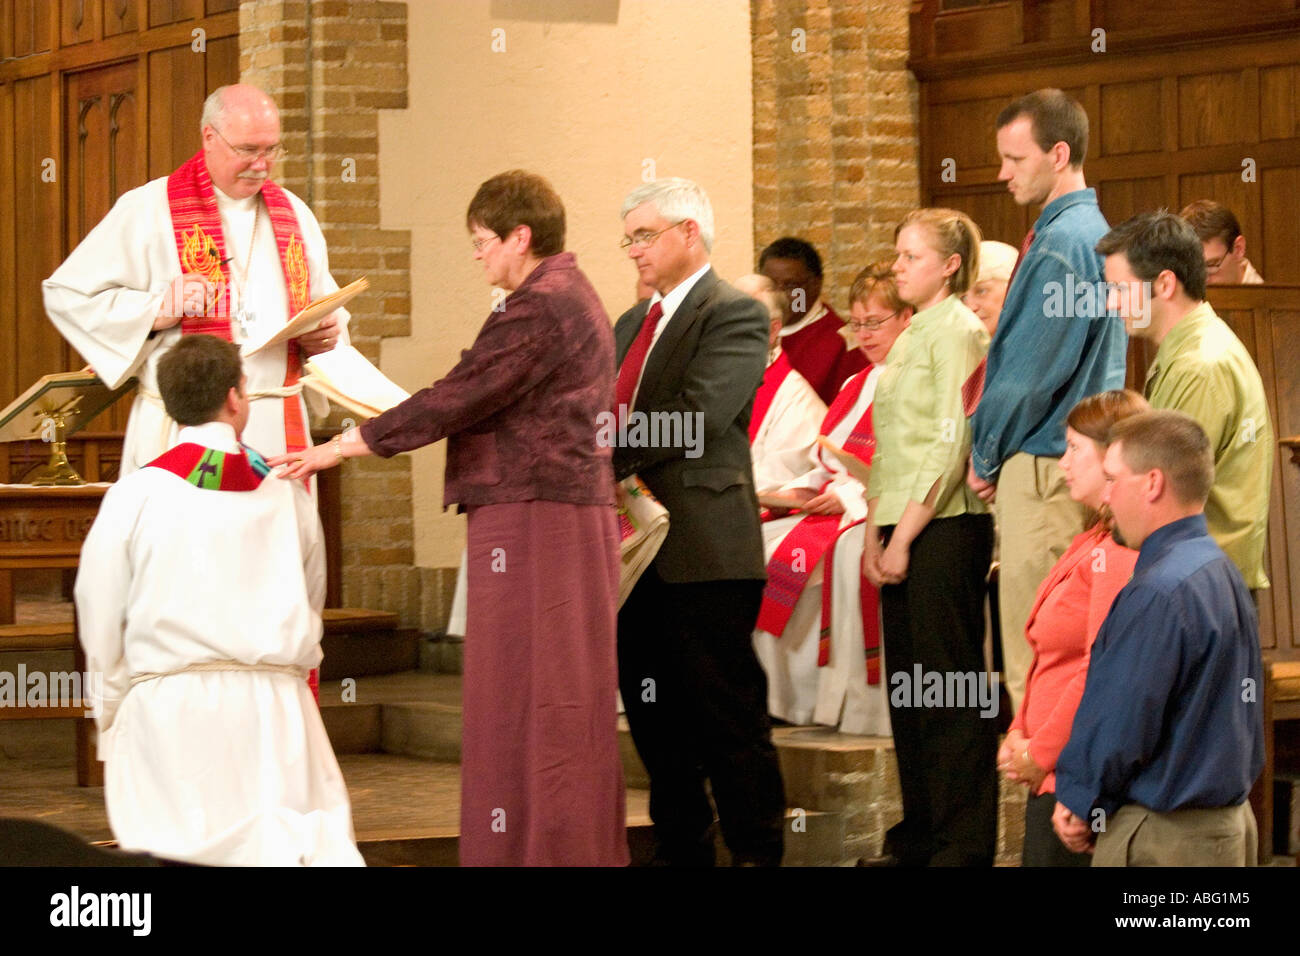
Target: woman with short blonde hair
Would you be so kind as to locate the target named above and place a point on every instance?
(928, 545)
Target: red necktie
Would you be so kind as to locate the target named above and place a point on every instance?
(973, 390)
(629, 373)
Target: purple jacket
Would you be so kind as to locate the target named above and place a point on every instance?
(520, 408)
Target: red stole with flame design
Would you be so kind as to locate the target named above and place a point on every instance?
(201, 246)
(815, 536)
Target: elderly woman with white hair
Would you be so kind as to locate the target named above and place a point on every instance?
(985, 297)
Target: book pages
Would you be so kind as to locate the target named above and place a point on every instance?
(312, 315)
(344, 376)
(642, 527)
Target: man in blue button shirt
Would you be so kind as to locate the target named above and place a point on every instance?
(1054, 345)
(1169, 735)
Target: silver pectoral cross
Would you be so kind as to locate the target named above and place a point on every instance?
(245, 318)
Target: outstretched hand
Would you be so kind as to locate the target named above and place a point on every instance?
(305, 463)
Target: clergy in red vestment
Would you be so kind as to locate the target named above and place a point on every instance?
(787, 412)
(817, 635)
(542, 783)
(814, 336)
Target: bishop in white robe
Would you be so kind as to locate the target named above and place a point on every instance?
(106, 296)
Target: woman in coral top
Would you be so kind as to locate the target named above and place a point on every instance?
(1072, 602)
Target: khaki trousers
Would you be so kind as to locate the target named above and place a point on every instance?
(1037, 520)
(1136, 836)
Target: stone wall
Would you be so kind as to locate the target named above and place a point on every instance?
(835, 129)
(331, 67)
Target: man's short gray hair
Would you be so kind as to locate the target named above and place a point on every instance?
(675, 199)
(214, 108)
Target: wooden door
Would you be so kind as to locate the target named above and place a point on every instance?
(96, 98)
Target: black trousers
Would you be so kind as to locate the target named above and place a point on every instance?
(1042, 846)
(946, 754)
(696, 703)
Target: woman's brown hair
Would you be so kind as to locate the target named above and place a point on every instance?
(877, 279)
(1094, 416)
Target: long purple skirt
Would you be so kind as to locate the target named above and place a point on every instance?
(541, 783)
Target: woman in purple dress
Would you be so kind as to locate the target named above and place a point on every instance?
(542, 783)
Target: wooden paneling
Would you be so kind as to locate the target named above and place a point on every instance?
(1125, 15)
(979, 28)
(1121, 198)
(31, 25)
(994, 211)
(1130, 118)
(961, 133)
(220, 65)
(1279, 102)
(1048, 20)
(8, 245)
(1213, 109)
(1277, 328)
(80, 21)
(120, 16)
(1165, 130)
(221, 6)
(39, 179)
(162, 12)
(103, 151)
(1278, 261)
(81, 122)
(174, 107)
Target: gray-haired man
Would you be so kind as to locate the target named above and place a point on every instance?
(695, 694)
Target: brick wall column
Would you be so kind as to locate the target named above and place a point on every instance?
(331, 65)
(835, 129)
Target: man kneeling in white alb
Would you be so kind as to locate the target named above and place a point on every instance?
(199, 601)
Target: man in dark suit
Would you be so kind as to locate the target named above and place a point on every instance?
(691, 357)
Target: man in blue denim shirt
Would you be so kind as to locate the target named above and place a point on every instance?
(1054, 345)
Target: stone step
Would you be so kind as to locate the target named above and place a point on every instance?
(53, 636)
(852, 778)
(815, 844)
(369, 653)
(406, 812)
(359, 643)
(357, 620)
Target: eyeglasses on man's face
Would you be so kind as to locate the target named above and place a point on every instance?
(643, 239)
(250, 154)
(478, 244)
(1214, 265)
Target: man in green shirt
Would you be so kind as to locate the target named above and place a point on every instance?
(1156, 270)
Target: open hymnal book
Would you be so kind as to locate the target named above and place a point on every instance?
(311, 315)
(775, 501)
(854, 465)
(345, 377)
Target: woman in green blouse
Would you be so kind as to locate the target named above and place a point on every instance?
(929, 555)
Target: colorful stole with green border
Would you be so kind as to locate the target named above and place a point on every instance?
(214, 470)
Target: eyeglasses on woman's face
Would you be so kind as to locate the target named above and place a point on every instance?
(871, 325)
